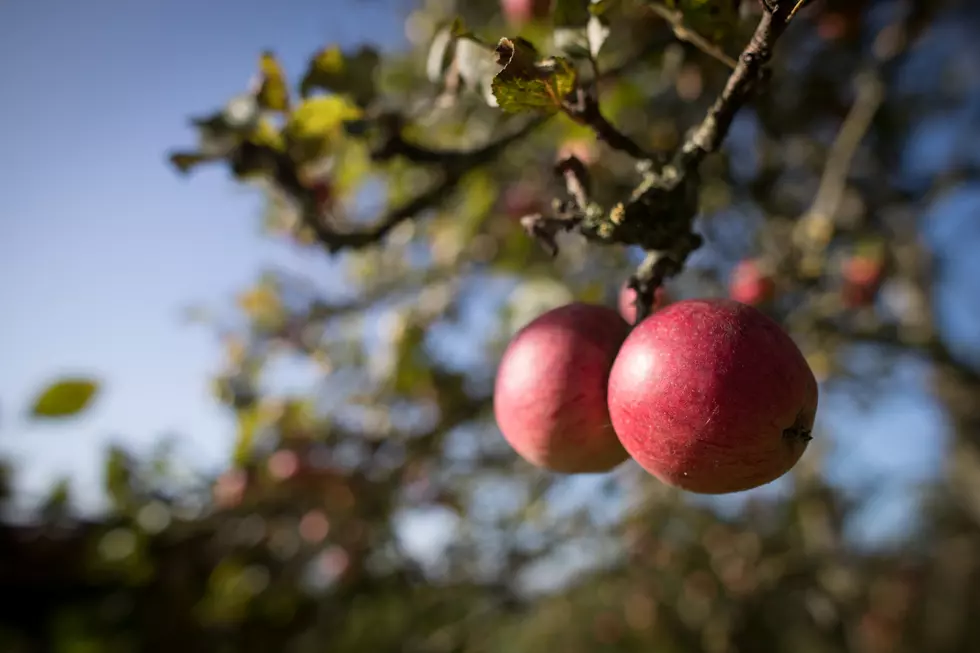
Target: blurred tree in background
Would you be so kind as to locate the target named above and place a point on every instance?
(444, 179)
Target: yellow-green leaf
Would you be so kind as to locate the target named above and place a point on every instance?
(526, 84)
(316, 124)
(65, 398)
(273, 93)
(249, 422)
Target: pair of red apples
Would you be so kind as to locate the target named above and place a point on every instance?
(708, 395)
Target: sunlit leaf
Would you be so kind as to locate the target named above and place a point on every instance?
(65, 398)
(316, 124)
(527, 84)
(266, 134)
(273, 92)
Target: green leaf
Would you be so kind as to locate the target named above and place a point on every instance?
(526, 84)
(273, 92)
(352, 75)
(65, 398)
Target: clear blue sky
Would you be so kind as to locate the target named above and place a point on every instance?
(101, 245)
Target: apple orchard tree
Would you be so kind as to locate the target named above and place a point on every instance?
(518, 157)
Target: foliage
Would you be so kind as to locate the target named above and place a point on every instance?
(514, 173)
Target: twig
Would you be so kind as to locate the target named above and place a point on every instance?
(584, 109)
(685, 33)
(707, 138)
(661, 211)
(395, 145)
(833, 182)
(455, 165)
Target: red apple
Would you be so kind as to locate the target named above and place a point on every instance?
(750, 284)
(550, 394)
(523, 11)
(712, 396)
(862, 278)
(627, 301)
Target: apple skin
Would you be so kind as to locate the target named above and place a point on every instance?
(550, 393)
(523, 11)
(712, 396)
(750, 285)
(627, 301)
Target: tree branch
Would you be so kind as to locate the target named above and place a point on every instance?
(688, 35)
(455, 165)
(707, 138)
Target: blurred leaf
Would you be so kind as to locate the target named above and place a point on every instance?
(479, 194)
(352, 75)
(475, 63)
(266, 134)
(186, 161)
(273, 92)
(712, 19)
(525, 84)
(56, 504)
(353, 165)
(316, 124)
(298, 418)
(261, 303)
(65, 398)
(248, 422)
(117, 477)
(438, 58)
(411, 374)
(570, 13)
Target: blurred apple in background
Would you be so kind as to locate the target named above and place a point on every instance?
(862, 275)
(751, 283)
(523, 11)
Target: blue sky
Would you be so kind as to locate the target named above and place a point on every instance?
(101, 245)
